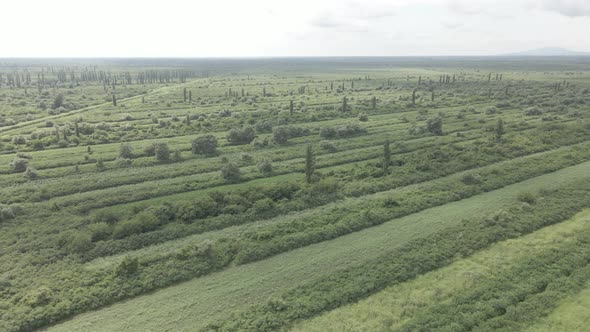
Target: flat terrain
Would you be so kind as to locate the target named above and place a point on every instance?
(313, 193)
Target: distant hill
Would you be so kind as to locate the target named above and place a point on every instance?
(548, 51)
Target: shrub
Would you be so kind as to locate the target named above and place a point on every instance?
(526, 197)
(125, 151)
(19, 165)
(265, 166)
(328, 146)
(78, 242)
(239, 136)
(280, 135)
(161, 151)
(434, 125)
(231, 172)
(30, 173)
(206, 145)
(363, 117)
(127, 267)
(533, 111)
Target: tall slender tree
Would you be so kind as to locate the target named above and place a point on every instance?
(309, 164)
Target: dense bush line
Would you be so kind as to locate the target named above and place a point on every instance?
(107, 286)
(516, 298)
(409, 261)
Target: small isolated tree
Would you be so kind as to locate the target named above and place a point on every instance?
(161, 151)
(58, 101)
(127, 267)
(309, 164)
(265, 167)
(30, 173)
(100, 165)
(499, 130)
(125, 151)
(344, 104)
(230, 172)
(114, 100)
(434, 125)
(206, 145)
(280, 135)
(19, 165)
(386, 157)
(241, 135)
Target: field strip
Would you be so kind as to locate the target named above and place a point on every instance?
(573, 315)
(194, 304)
(391, 307)
(172, 245)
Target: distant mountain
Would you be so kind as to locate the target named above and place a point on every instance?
(548, 51)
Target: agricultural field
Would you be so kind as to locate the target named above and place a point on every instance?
(302, 194)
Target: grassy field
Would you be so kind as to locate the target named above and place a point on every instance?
(390, 308)
(214, 297)
(192, 194)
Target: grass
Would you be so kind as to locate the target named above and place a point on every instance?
(573, 315)
(390, 308)
(196, 303)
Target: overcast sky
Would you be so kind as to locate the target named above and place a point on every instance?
(213, 28)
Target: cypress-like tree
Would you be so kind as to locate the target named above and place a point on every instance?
(414, 97)
(77, 128)
(309, 164)
(184, 94)
(114, 100)
(499, 131)
(291, 107)
(344, 104)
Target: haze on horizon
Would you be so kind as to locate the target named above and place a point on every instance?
(227, 28)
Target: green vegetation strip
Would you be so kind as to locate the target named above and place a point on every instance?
(433, 252)
(200, 301)
(391, 307)
(515, 298)
(572, 315)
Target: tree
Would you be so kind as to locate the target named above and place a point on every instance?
(100, 165)
(206, 145)
(414, 97)
(265, 166)
(290, 107)
(344, 104)
(114, 100)
(127, 267)
(309, 164)
(58, 101)
(244, 135)
(386, 157)
(499, 130)
(30, 173)
(434, 125)
(125, 151)
(280, 135)
(230, 172)
(19, 165)
(161, 151)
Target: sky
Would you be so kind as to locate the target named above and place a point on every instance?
(267, 28)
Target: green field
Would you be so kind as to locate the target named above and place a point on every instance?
(312, 194)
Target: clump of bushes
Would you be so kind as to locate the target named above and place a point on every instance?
(342, 131)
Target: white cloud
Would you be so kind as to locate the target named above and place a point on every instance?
(571, 8)
(189, 28)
